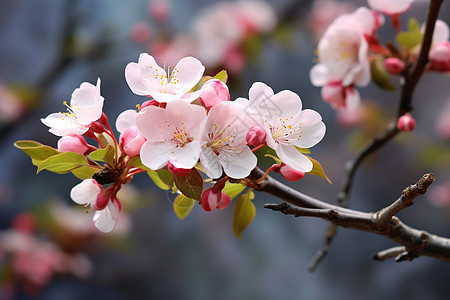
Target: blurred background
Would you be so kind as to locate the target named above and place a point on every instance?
(49, 248)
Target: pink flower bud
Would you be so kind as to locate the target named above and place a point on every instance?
(177, 171)
(102, 200)
(394, 65)
(131, 141)
(406, 123)
(211, 200)
(140, 32)
(74, 143)
(256, 136)
(149, 103)
(440, 56)
(333, 93)
(159, 10)
(291, 174)
(213, 92)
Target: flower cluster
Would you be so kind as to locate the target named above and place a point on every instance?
(350, 54)
(186, 124)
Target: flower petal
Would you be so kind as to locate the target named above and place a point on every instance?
(186, 74)
(87, 103)
(62, 125)
(210, 163)
(106, 219)
(293, 158)
(319, 75)
(187, 156)
(146, 76)
(259, 89)
(155, 155)
(126, 119)
(85, 192)
(238, 164)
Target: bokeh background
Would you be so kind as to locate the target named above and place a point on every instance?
(49, 47)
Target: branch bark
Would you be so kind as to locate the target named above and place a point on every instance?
(414, 242)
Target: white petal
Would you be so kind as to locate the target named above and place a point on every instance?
(313, 129)
(134, 79)
(125, 120)
(186, 157)
(62, 125)
(155, 155)
(106, 219)
(352, 98)
(210, 163)
(85, 192)
(239, 164)
(87, 103)
(293, 158)
(319, 75)
(285, 104)
(186, 74)
(151, 123)
(259, 89)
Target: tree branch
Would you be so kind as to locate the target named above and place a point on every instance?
(410, 83)
(414, 242)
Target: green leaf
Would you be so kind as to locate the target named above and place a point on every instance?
(379, 74)
(413, 24)
(411, 38)
(135, 161)
(183, 206)
(163, 178)
(243, 213)
(276, 159)
(318, 170)
(36, 151)
(63, 162)
(106, 154)
(85, 172)
(233, 189)
(222, 76)
(190, 185)
(303, 150)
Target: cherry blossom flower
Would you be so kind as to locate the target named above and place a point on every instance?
(343, 54)
(390, 7)
(75, 143)
(439, 54)
(146, 78)
(173, 134)
(89, 192)
(85, 107)
(223, 142)
(286, 124)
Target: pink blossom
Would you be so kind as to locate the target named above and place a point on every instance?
(406, 123)
(159, 10)
(74, 143)
(286, 124)
(390, 7)
(173, 134)
(394, 65)
(89, 192)
(324, 12)
(439, 56)
(85, 107)
(131, 140)
(340, 97)
(212, 200)
(140, 32)
(11, 107)
(289, 173)
(223, 142)
(213, 92)
(343, 55)
(256, 136)
(146, 78)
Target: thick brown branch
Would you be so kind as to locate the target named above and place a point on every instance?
(415, 242)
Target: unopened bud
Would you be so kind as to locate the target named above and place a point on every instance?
(333, 93)
(149, 103)
(177, 171)
(74, 143)
(440, 56)
(256, 136)
(131, 141)
(394, 65)
(291, 174)
(213, 92)
(406, 123)
(159, 10)
(102, 200)
(211, 200)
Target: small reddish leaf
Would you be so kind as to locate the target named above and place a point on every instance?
(190, 185)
